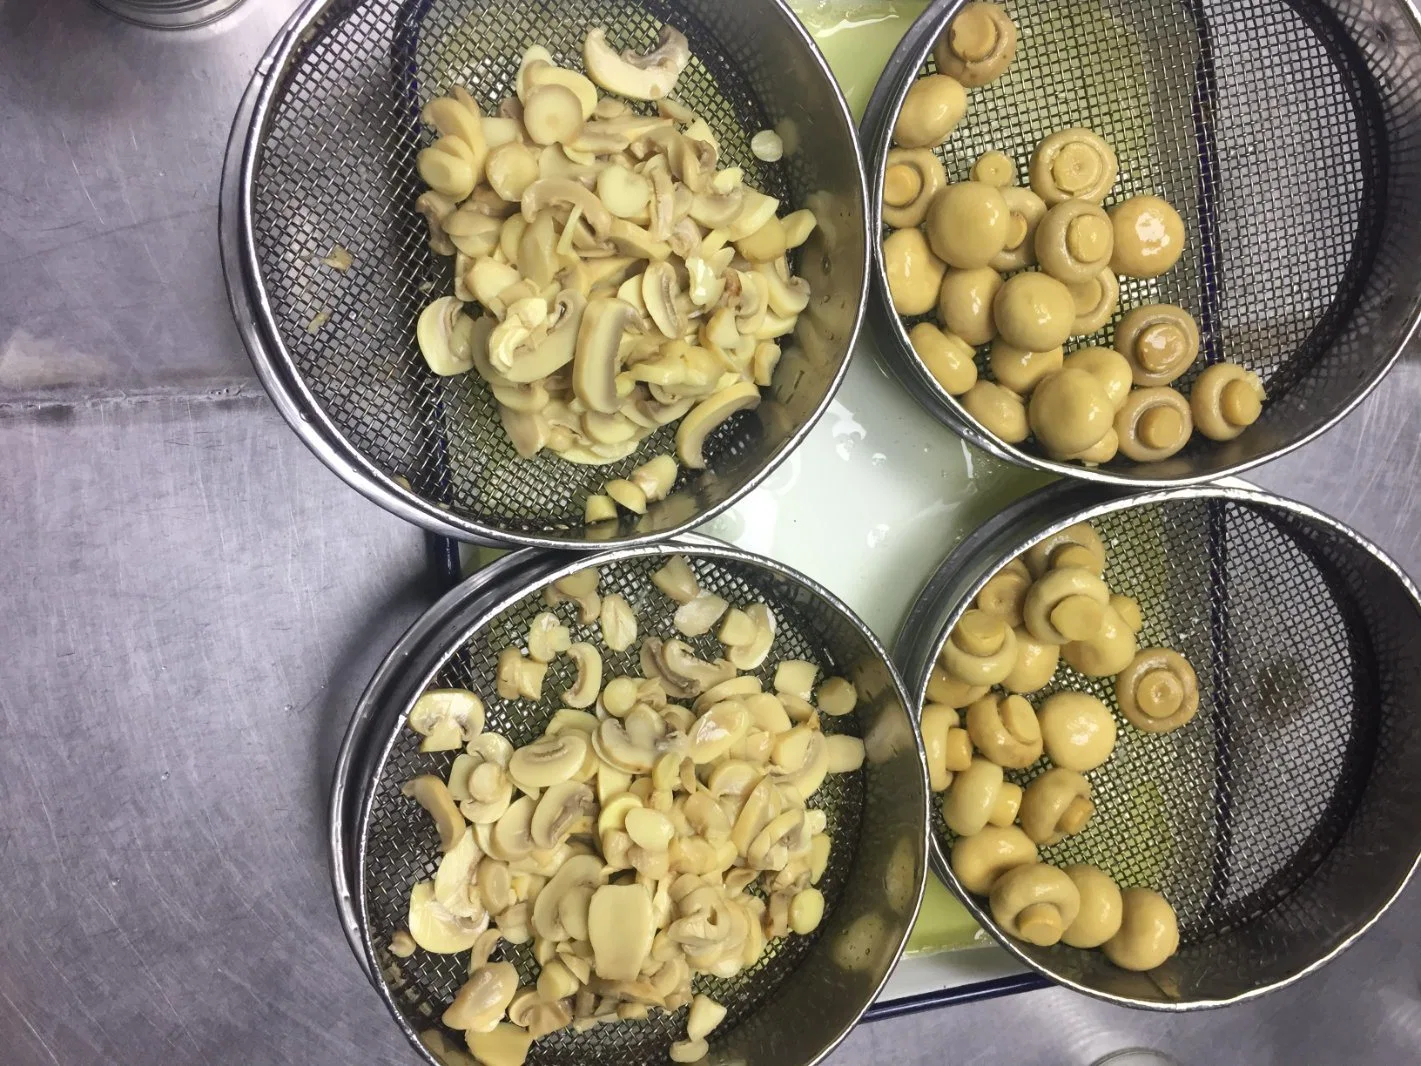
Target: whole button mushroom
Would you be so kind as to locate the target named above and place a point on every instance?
(935, 104)
(1106, 653)
(1034, 311)
(1074, 241)
(999, 411)
(980, 650)
(1004, 594)
(994, 168)
(1149, 931)
(1108, 367)
(1074, 164)
(1035, 903)
(1154, 424)
(911, 180)
(1027, 210)
(914, 273)
(978, 46)
(948, 358)
(951, 691)
(1149, 237)
(1005, 730)
(979, 795)
(1020, 370)
(1077, 545)
(980, 859)
(947, 746)
(1078, 731)
(964, 303)
(1158, 691)
(1069, 412)
(1066, 604)
(1102, 451)
(1128, 608)
(1036, 663)
(1101, 909)
(968, 225)
(1097, 299)
(1161, 342)
(1056, 805)
(1226, 399)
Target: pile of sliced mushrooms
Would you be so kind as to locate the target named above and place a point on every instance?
(627, 281)
(660, 828)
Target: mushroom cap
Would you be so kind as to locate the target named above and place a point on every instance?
(1149, 237)
(978, 45)
(1074, 164)
(999, 411)
(1055, 805)
(1035, 903)
(1005, 730)
(978, 860)
(1027, 210)
(968, 224)
(1158, 691)
(1066, 603)
(1074, 241)
(1225, 400)
(1111, 369)
(994, 168)
(1148, 934)
(948, 358)
(1154, 424)
(1034, 311)
(911, 179)
(964, 303)
(1097, 299)
(1078, 730)
(1106, 653)
(932, 108)
(1021, 370)
(1101, 908)
(1036, 663)
(1070, 412)
(1161, 341)
(914, 273)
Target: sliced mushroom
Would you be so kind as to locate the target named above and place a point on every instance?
(559, 811)
(435, 929)
(619, 749)
(707, 416)
(619, 925)
(750, 655)
(696, 617)
(618, 623)
(454, 886)
(547, 637)
(596, 360)
(548, 192)
(589, 675)
(547, 762)
(446, 718)
(480, 1003)
(445, 337)
(640, 77)
(433, 795)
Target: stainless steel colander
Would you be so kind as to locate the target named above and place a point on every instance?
(807, 992)
(1288, 135)
(323, 154)
(1283, 820)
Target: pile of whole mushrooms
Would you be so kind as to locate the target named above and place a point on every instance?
(1025, 269)
(624, 279)
(1051, 604)
(660, 828)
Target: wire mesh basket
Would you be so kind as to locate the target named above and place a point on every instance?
(1288, 135)
(322, 154)
(806, 992)
(1283, 820)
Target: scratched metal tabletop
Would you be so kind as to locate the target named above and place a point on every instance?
(192, 602)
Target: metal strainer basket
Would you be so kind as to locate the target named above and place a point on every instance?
(322, 154)
(1288, 135)
(806, 992)
(1283, 820)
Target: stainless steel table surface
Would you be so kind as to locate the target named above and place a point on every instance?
(193, 601)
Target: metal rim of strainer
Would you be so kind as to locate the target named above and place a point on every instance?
(953, 587)
(876, 131)
(298, 405)
(436, 636)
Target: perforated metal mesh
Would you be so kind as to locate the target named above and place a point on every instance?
(1285, 133)
(337, 167)
(1248, 818)
(401, 846)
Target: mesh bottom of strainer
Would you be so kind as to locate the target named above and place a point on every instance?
(1302, 658)
(1279, 129)
(337, 167)
(400, 847)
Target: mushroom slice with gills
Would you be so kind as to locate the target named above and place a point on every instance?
(740, 687)
(584, 691)
(682, 672)
(659, 291)
(548, 761)
(482, 999)
(771, 847)
(810, 773)
(579, 871)
(547, 637)
(749, 656)
(718, 210)
(756, 210)
(651, 76)
(552, 348)
(788, 295)
(717, 730)
(445, 336)
(454, 885)
(558, 813)
(511, 836)
(709, 415)
(527, 430)
(435, 929)
(620, 928)
(447, 718)
(433, 795)
(695, 618)
(546, 193)
(620, 750)
(436, 209)
(537, 249)
(596, 359)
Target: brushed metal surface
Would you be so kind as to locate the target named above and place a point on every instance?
(189, 592)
